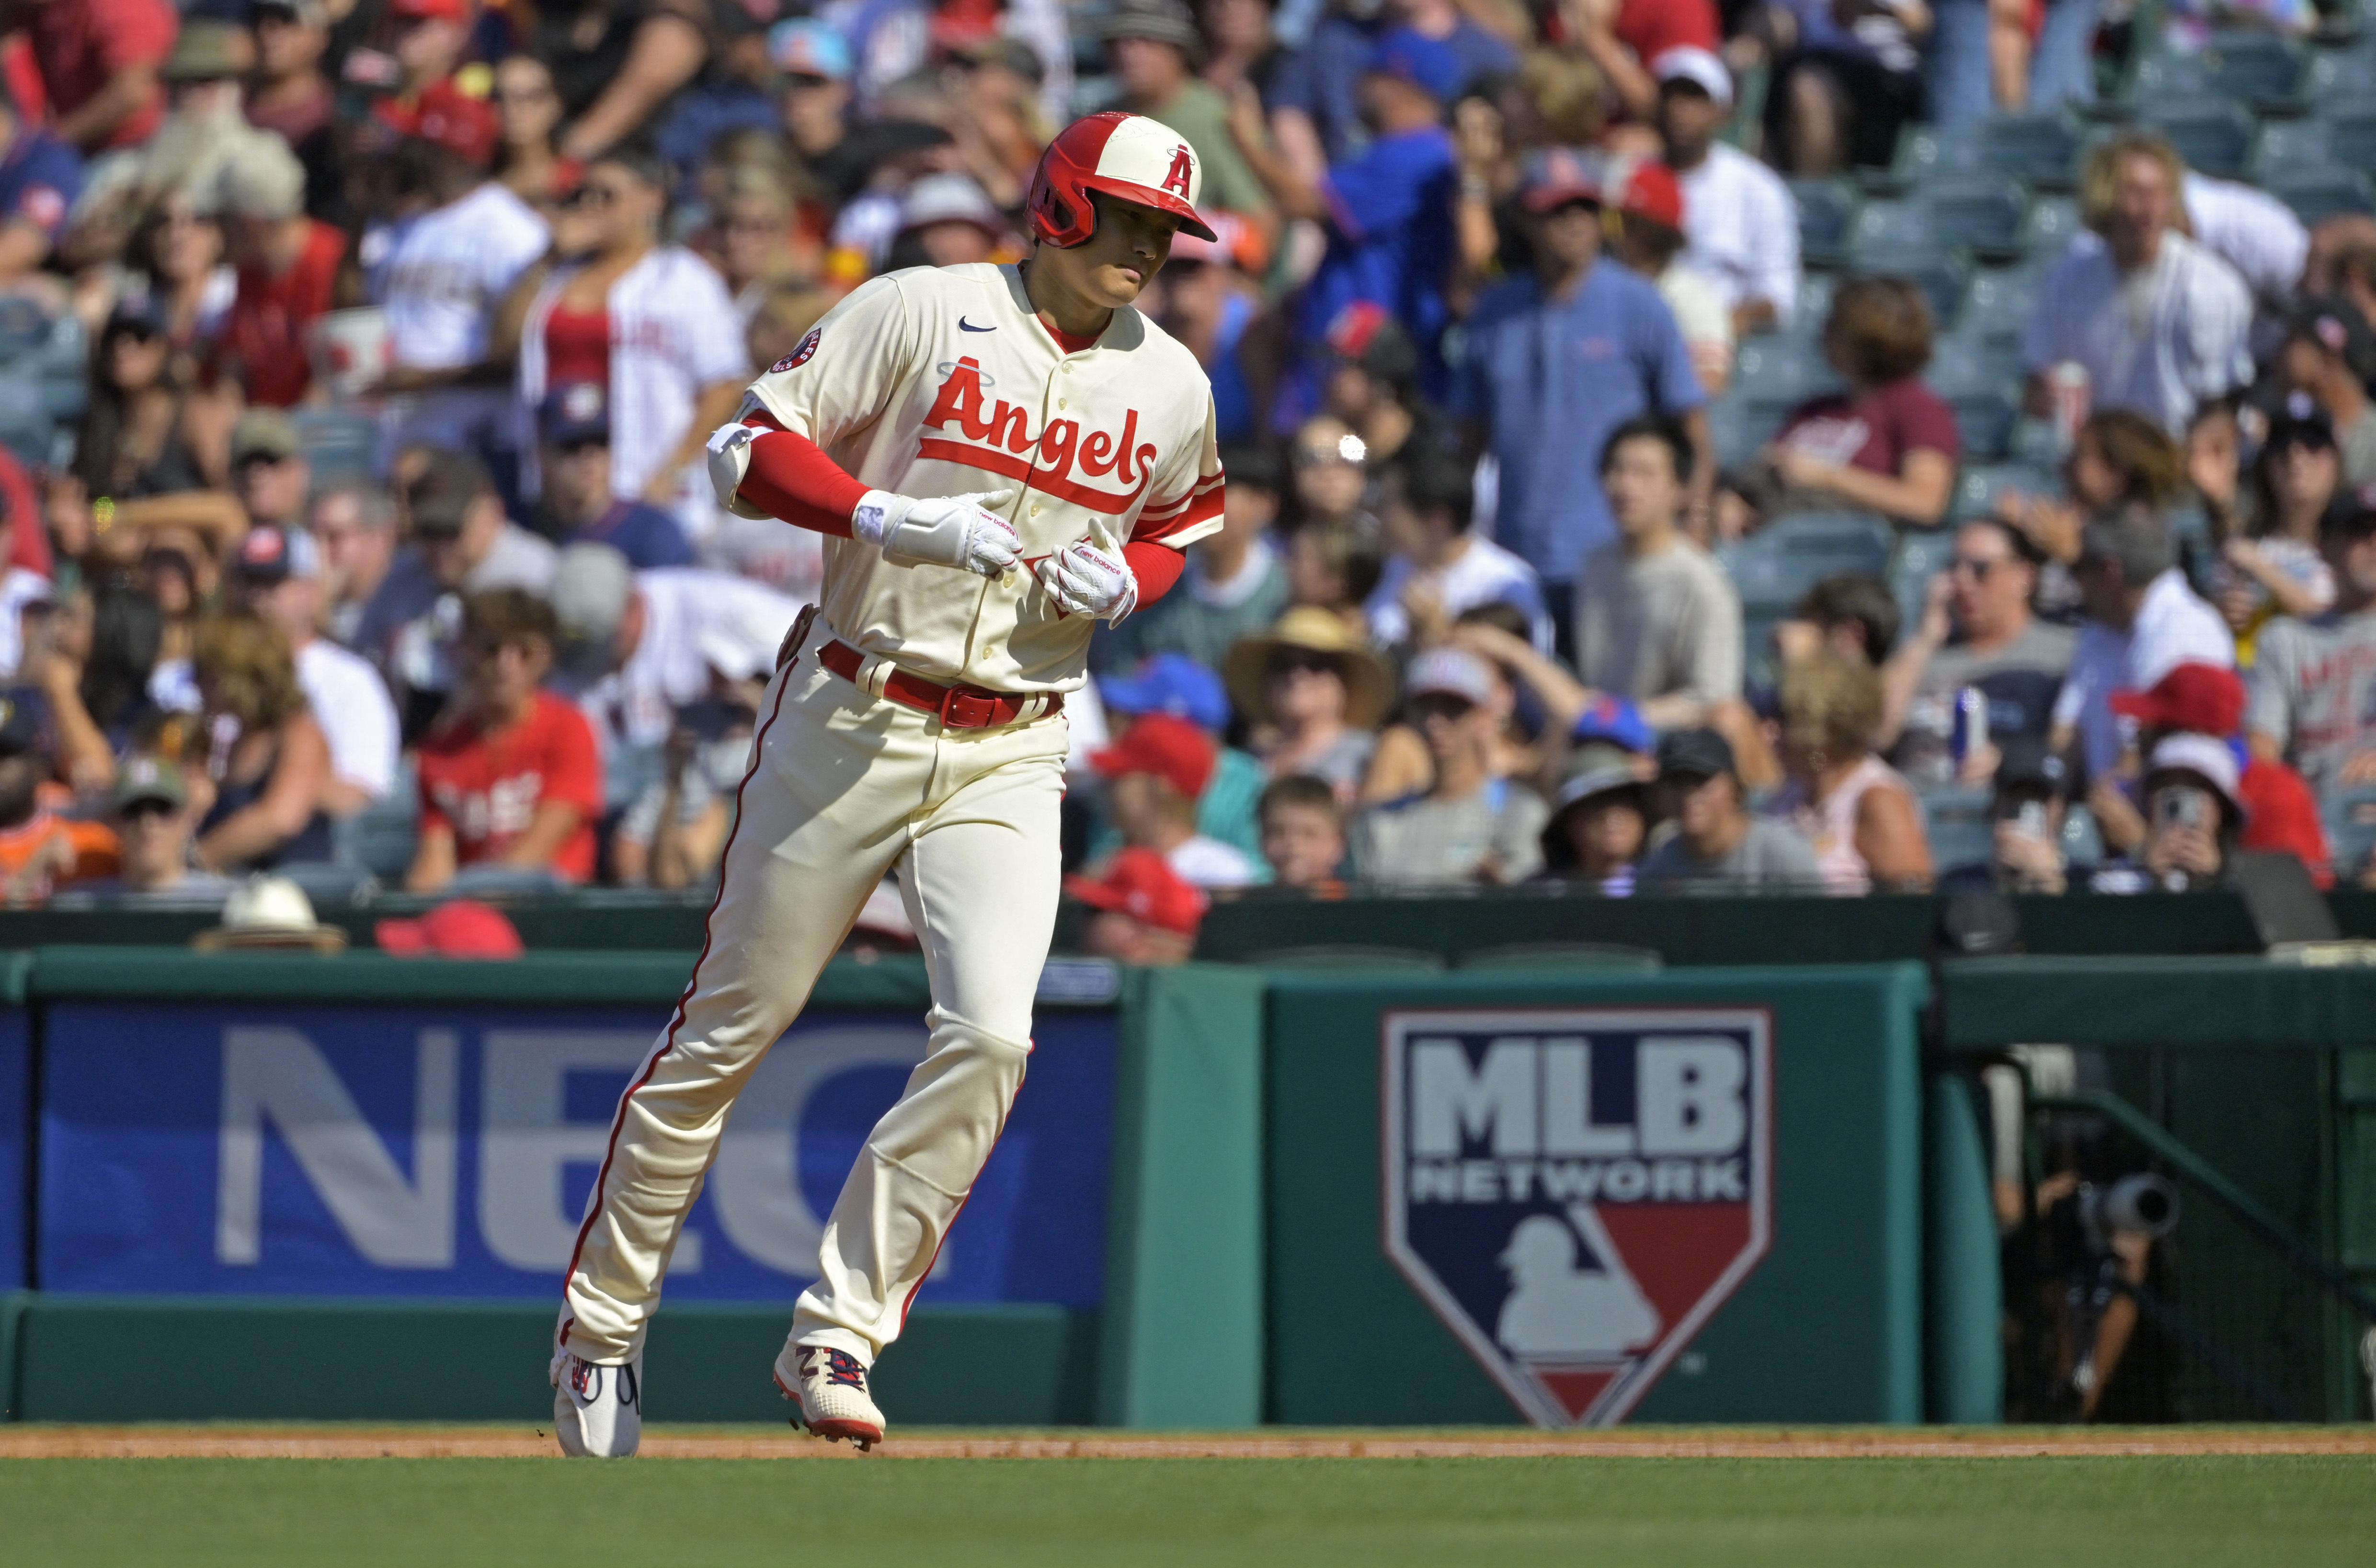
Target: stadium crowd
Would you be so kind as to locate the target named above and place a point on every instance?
(356, 358)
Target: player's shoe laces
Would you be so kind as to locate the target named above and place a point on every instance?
(598, 1411)
(830, 1388)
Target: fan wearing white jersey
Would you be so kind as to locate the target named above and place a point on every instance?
(1000, 456)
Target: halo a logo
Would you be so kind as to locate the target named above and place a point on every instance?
(1577, 1192)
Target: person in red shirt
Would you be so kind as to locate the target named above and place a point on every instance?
(291, 269)
(100, 64)
(512, 779)
(1621, 37)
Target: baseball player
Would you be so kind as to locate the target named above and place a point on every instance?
(1000, 456)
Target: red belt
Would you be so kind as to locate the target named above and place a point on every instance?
(959, 706)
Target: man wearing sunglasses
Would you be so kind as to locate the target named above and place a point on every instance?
(1977, 630)
(999, 457)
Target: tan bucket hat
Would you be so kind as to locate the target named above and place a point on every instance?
(1307, 628)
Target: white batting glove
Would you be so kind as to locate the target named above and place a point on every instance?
(1088, 578)
(939, 530)
(730, 459)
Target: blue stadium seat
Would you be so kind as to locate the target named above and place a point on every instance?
(1998, 306)
(1815, 291)
(1739, 427)
(1967, 358)
(2083, 841)
(1979, 484)
(1962, 832)
(2350, 827)
(2261, 70)
(2214, 135)
(1921, 555)
(381, 837)
(1981, 213)
(1941, 275)
(337, 443)
(1985, 417)
(1890, 228)
(2052, 224)
(1827, 209)
(2041, 150)
(1786, 370)
(325, 882)
(2321, 192)
(1775, 565)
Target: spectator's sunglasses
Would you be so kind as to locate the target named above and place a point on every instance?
(135, 810)
(597, 193)
(537, 94)
(1447, 706)
(1978, 566)
(1296, 661)
(802, 81)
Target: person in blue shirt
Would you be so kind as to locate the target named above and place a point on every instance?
(575, 425)
(1552, 362)
(40, 177)
(1320, 84)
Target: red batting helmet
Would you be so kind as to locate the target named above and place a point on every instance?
(1130, 158)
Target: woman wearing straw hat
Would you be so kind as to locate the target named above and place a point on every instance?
(1315, 696)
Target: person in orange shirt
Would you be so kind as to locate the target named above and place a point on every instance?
(39, 849)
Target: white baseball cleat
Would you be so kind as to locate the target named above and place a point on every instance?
(598, 1411)
(830, 1388)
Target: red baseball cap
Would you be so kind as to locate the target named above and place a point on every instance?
(2282, 814)
(2203, 698)
(432, 10)
(454, 120)
(461, 929)
(1139, 883)
(1648, 189)
(1170, 748)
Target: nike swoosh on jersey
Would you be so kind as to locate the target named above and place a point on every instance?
(964, 326)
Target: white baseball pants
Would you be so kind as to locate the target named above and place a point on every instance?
(843, 788)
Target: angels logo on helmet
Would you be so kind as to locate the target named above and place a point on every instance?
(798, 356)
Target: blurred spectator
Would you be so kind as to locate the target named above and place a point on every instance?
(528, 123)
(948, 220)
(1371, 384)
(675, 835)
(1742, 223)
(1600, 822)
(642, 647)
(1156, 773)
(2153, 321)
(291, 270)
(2314, 680)
(269, 762)
(268, 469)
(651, 324)
(1154, 50)
(2009, 56)
(1235, 585)
(39, 849)
(133, 439)
(2027, 804)
(2252, 231)
(290, 96)
(1715, 840)
(151, 808)
(102, 650)
(427, 43)
(1332, 472)
(171, 579)
(1886, 445)
(1470, 826)
(178, 253)
(749, 238)
(1240, 45)
(1539, 412)
(616, 64)
(1388, 208)
(2193, 813)
(1859, 814)
(279, 574)
(2119, 458)
(446, 267)
(2277, 568)
(512, 779)
(578, 505)
(2142, 622)
(1302, 831)
(1978, 630)
(1312, 697)
(202, 135)
(1336, 568)
(98, 62)
(1622, 38)
(1204, 298)
(1146, 912)
(40, 178)
(1438, 568)
(815, 62)
(1175, 684)
(1847, 78)
(354, 527)
(1317, 97)
(1850, 614)
(2328, 359)
(2277, 810)
(1651, 240)
(1657, 620)
(732, 94)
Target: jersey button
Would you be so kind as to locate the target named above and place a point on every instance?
(1035, 508)
(1061, 404)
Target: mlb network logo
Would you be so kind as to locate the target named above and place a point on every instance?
(1576, 1191)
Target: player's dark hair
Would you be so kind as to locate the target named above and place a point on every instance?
(508, 618)
(1651, 427)
(1301, 789)
(1859, 598)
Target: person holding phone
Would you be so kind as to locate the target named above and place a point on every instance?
(2025, 814)
(2193, 810)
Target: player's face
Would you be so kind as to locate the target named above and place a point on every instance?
(1130, 246)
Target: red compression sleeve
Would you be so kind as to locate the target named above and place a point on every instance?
(1156, 566)
(790, 476)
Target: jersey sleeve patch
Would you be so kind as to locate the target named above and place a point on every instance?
(798, 356)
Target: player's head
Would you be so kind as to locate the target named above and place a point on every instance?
(1107, 198)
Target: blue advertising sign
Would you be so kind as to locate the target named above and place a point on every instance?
(16, 1127)
(447, 1151)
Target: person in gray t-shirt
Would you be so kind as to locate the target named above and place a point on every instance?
(1716, 842)
(2313, 683)
(1981, 602)
(1471, 826)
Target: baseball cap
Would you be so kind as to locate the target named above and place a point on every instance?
(1365, 333)
(1554, 176)
(141, 312)
(2335, 325)
(1170, 747)
(1695, 753)
(461, 928)
(1595, 769)
(1616, 721)
(442, 492)
(590, 586)
(2026, 762)
(1140, 884)
(1451, 671)
(463, 126)
(2201, 697)
(950, 198)
(1701, 67)
(806, 47)
(1172, 683)
(207, 50)
(146, 778)
(575, 412)
(1648, 188)
(24, 721)
(263, 432)
(2208, 757)
(1163, 22)
(1430, 65)
(269, 555)
(432, 10)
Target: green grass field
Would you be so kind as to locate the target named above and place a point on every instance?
(1054, 1513)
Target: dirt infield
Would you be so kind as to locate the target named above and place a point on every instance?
(512, 1443)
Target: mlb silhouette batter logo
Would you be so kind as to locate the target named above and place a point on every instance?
(1576, 1191)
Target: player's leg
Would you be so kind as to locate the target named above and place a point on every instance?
(981, 880)
(822, 815)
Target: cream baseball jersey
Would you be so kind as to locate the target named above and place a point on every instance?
(937, 382)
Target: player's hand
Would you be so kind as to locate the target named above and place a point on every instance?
(941, 531)
(729, 450)
(1088, 578)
